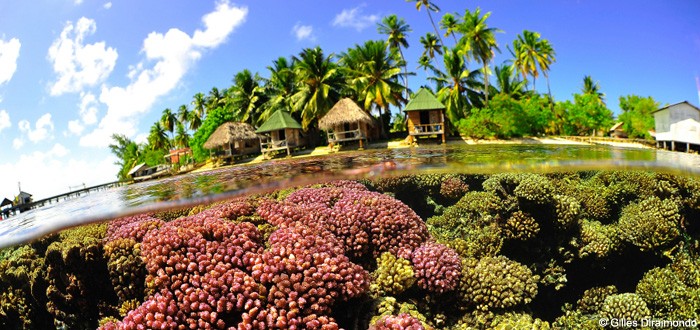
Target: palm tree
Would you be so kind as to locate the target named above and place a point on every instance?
(246, 97)
(158, 138)
(215, 99)
(194, 120)
(396, 30)
(450, 24)
(319, 85)
(183, 114)
(592, 88)
(373, 73)
(280, 87)
(199, 105)
(457, 86)
(168, 120)
(479, 42)
(429, 6)
(182, 138)
(508, 82)
(430, 45)
(532, 55)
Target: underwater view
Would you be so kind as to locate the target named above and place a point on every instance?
(504, 237)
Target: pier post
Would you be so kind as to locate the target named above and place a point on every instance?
(687, 147)
(673, 145)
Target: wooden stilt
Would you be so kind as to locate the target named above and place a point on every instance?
(361, 148)
(673, 145)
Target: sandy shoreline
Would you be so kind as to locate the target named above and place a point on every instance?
(397, 144)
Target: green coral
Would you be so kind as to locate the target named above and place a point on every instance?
(592, 300)
(173, 214)
(599, 240)
(74, 272)
(510, 321)
(393, 275)
(650, 223)
(390, 306)
(672, 292)
(568, 210)
(496, 283)
(628, 306)
(19, 267)
(127, 270)
(577, 320)
(520, 226)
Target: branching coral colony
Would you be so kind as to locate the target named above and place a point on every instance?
(434, 251)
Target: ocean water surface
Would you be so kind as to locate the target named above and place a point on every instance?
(445, 237)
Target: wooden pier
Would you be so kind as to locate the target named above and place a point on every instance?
(59, 198)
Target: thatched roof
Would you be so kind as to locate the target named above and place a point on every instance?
(230, 132)
(345, 111)
(424, 100)
(279, 120)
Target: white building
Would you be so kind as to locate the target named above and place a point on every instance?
(678, 126)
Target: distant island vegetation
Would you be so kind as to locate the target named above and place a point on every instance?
(457, 57)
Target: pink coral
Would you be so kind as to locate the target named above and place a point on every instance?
(134, 227)
(402, 321)
(367, 223)
(437, 267)
(307, 273)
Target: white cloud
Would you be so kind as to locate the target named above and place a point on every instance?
(88, 108)
(42, 128)
(57, 167)
(353, 18)
(79, 65)
(302, 32)
(168, 57)
(75, 128)
(4, 120)
(107, 5)
(17, 143)
(9, 53)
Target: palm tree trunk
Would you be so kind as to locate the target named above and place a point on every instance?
(405, 72)
(434, 26)
(486, 84)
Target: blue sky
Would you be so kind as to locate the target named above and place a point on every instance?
(75, 71)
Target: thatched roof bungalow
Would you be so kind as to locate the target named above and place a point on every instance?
(231, 139)
(426, 115)
(346, 121)
(280, 131)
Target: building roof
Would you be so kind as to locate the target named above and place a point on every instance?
(6, 202)
(279, 120)
(136, 168)
(424, 100)
(345, 111)
(675, 104)
(616, 126)
(24, 193)
(230, 132)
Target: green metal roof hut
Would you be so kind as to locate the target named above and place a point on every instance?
(425, 115)
(280, 131)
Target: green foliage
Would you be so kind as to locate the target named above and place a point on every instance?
(586, 116)
(154, 157)
(506, 117)
(214, 119)
(636, 115)
(127, 152)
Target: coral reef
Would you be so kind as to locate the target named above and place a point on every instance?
(628, 306)
(496, 283)
(501, 251)
(402, 321)
(651, 223)
(436, 266)
(393, 275)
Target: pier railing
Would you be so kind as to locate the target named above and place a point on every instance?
(62, 197)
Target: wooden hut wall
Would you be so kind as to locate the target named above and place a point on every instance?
(292, 136)
(413, 120)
